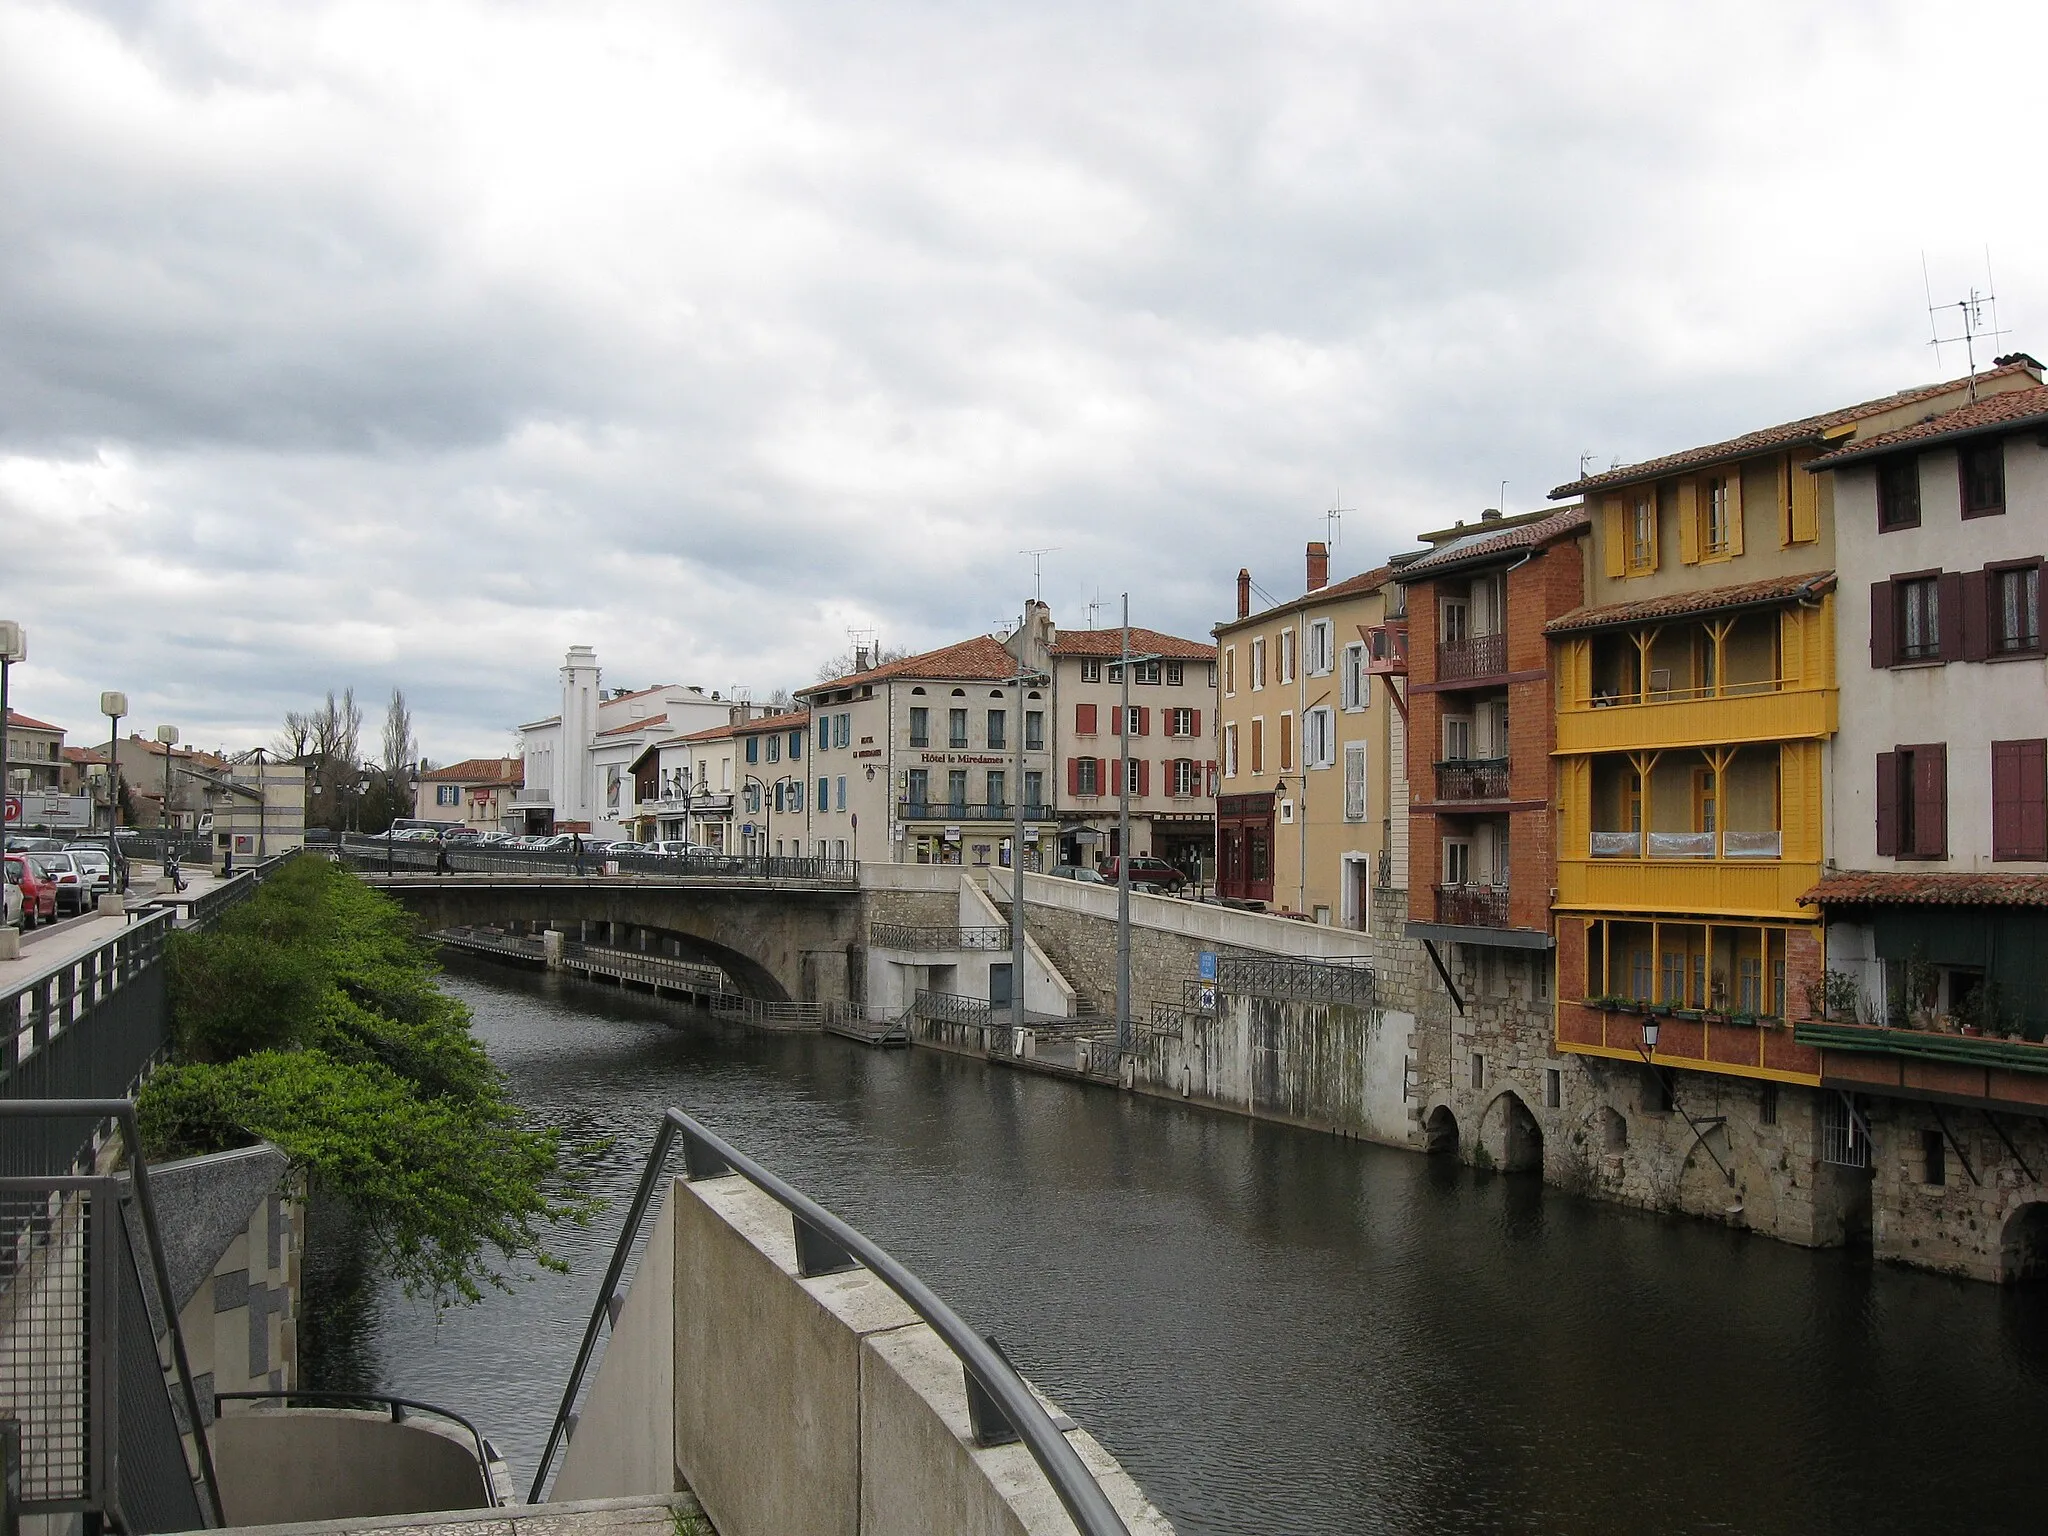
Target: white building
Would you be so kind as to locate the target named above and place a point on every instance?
(579, 761)
(687, 786)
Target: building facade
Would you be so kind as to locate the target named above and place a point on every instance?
(688, 786)
(479, 792)
(35, 755)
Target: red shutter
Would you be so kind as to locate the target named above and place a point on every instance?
(1930, 801)
(1950, 586)
(1976, 615)
(1144, 721)
(1074, 775)
(1116, 719)
(1144, 778)
(1888, 801)
(1084, 719)
(1116, 776)
(2019, 799)
(1195, 723)
(1883, 651)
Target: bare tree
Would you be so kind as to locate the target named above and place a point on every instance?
(401, 747)
(778, 701)
(296, 738)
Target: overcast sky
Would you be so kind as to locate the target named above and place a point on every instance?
(411, 344)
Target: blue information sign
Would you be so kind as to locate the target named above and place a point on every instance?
(1208, 965)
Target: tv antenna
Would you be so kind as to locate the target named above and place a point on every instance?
(1038, 568)
(1969, 323)
(1095, 607)
(1333, 523)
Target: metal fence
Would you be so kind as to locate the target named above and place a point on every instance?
(1309, 981)
(1001, 1407)
(936, 937)
(374, 855)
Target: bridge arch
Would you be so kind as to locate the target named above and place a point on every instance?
(1440, 1131)
(2023, 1247)
(1510, 1135)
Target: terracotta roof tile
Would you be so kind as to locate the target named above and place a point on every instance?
(1363, 583)
(712, 733)
(1994, 413)
(1749, 594)
(790, 719)
(1107, 645)
(981, 659)
(1910, 888)
(1480, 545)
(29, 723)
(479, 770)
(83, 755)
(1805, 430)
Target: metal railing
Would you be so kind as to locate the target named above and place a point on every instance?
(79, 1363)
(1311, 981)
(1472, 906)
(968, 810)
(1472, 778)
(376, 856)
(399, 1408)
(952, 1008)
(936, 936)
(1001, 1407)
(1480, 656)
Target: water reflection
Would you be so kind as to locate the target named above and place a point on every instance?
(1279, 1331)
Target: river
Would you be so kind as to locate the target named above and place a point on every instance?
(1276, 1331)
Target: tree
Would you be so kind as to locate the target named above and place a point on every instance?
(401, 748)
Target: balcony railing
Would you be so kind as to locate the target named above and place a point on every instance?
(1472, 778)
(1689, 845)
(967, 810)
(1472, 906)
(1480, 656)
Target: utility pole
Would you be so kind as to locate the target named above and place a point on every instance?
(1125, 1036)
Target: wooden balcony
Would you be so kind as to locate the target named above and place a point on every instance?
(1477, 660)
(1918, 1064)
(1742, 887)
(1386, 648)
(1770, 712)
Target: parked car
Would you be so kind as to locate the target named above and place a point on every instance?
(38, 896)
(462, 834)
(11, 902)
(95, 868)
(1148, 871)
(102, 848)
(65, 875)
(1075, 872)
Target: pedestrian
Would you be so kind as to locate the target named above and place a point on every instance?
(441, 864)
(576, 848)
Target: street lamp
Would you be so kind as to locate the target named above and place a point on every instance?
(1649, 1037)
(767, 809)
(167, 738)
(113, 706)
(13, 648)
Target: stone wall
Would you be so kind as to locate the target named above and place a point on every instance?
(1974, 1222)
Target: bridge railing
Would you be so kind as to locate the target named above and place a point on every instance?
(1001, 1406)
(375, 855)
(937, 936)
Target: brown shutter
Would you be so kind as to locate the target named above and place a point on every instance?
(2033, 838)
(1888, 804)
(1883, 649)
(1976, 615)
(1930, 801)
(1144, 720)
(1195, 723)
(1073, 776)
(2019, 799)
(1084, 719)
(1950, 586)
(1144, 778)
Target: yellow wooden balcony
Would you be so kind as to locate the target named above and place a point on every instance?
(1770, 713)
(1742, 887)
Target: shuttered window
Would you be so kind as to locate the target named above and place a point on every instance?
(1898, 494)
(1912, 802)
(1981, 469)
(1084, 719)
(2019, 799)
(1354, 781)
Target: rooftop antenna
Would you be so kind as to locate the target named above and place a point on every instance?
(1586, 461)
(1095, 607)
(1333, 523)
(1969, 318)
(1038, 568)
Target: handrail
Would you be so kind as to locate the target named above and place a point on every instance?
(122, 1111)
(1070, 1478)
(395, 1404)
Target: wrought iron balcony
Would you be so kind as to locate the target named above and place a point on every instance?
(1480, 656)
(1472, 778)
(967, 810)
(1472, 906)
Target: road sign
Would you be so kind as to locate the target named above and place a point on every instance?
(13, 816)
(1208, 965)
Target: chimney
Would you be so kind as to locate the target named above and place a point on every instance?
(860, 658)
(1318, 564)
(1490, 515)
(1244, 592)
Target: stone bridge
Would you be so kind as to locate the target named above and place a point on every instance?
(781, 940)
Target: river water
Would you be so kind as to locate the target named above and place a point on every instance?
(1275, 1331)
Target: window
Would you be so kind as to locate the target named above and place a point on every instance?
(1284, 673)
(775, 748)
(1258, 663)
(824, 794)
(2019, 799)
(1767, 1107)
(1258, 744)
(996, 730)
(956, 791)
(1354, 781)
(919, 793)
(1319, 738)
(1919, 618)
(1898, 494)
(753, 799)
(1454, 621)
(1642, 542)
(1354, 689)
(1457, 738)
(1187, 777)
(1981, 469)
(1138, 722)
(1174, 674)
(956, 727)
(1457, 861)
(1912, 802)
(1229, 669)
(1286, 740)
(1034, 730)
(1717, 510)
(1553, 1088)
(1087, 772)
(2015, 610)
(447, 794)
(1145, 672)
(1034, 792)
(1933, 1156)
(842, 730)
(1321, 659)
(824, 733)
(1084, 719)
(1478, 1070)
(1230, 750)
(839, 792)
(998, 790)
(753, 749)
(920, 726)
(1091, 671)
(796, 745)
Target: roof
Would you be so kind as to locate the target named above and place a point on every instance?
(29, 723)
(710, 733)
(645, 722)
(981, 659)
(480, 770)
(1361, 585)
(1488, 542)
(788, 720)
(1910, 888)
(84, 755)
(1108, 645)
(1808, 429)
(2008, 412)
(1749, 594)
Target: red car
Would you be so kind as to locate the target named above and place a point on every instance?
(1147, 871)
(38, 895)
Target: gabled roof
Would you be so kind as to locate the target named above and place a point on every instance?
(16, 719)
(479, 770)
(788, 720)
(1910, 888)
(981, 659)
(2010, 412)
(1750, 594)
(1361, 585)
(83, 755)
(1485, 543)
(644, 723)
(1808, 429)
(1107, 645)
(712, 733)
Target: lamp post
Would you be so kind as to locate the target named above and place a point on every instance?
(113, 706)
(167, 738)
(1649, 1037)
(766, 806)
(13, 648)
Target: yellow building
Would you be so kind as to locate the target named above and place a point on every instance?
(1696, 695)
(1308, 751)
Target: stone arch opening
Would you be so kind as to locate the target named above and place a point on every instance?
(2024, 1246)
(1511, 1135)
(1611, 1129)
(1440, 1131)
